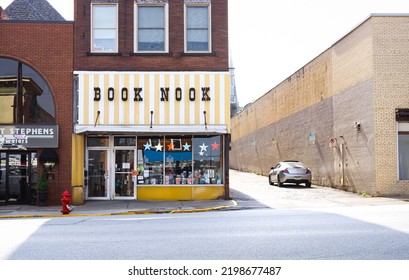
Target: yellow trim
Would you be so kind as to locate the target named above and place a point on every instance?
(147, 99)
(179, 192)
(85, 97)
(77, 164)
(137, 105)
(217, 113)
(207, 103)
(105, 99)
(96, 103)
(116, 99)
(198, 100)
(126, 118)
(156, 105)
(177, 104)
(185, 89)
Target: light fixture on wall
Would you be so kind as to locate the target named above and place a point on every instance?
(205, 121)
(357, 126)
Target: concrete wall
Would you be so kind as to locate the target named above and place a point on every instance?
(361, 79)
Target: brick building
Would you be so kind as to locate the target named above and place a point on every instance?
(345, 114)
(152, 91)
(129, 101)
(36, 85)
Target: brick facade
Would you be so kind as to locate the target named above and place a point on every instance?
(48, 49)
(361, 79)
(175, 60)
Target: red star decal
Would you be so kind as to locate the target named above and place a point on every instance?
(215, 146)
(170, 147)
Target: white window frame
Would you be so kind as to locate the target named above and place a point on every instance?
(166, 27)
(92, 29)
(401, 127)
(209, 35)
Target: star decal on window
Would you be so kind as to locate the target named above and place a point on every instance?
(147, 146)
(215, 146)
(186, 147)
(203, 147)
(158, 147)
(170, 147)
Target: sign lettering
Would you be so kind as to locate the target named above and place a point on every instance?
(165, 94)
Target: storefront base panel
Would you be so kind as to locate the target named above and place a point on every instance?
(180, 193)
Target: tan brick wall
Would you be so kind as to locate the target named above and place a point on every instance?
(391, 91)
(362, 78)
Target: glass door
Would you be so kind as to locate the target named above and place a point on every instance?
(98, 174)
(124, 167)
(3, 165)
(15, 177)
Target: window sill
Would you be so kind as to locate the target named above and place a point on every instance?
(103, 54)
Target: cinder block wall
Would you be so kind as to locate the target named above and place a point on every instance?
(361, 79)
(391, 91)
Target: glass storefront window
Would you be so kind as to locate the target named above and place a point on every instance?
(150, 160)
(97, 141)
(32, 103)
(403, 155)
(178, 160)
(208, 160)
(125, 141)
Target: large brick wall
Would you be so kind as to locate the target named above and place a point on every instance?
(361, 79)
(391, 91)
(48, 48)
(175, 60)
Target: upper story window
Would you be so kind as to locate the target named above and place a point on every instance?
(197, 28)
(104, 28)
(151, 28)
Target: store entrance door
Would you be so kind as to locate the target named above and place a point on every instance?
(125, 183)
(15, 179)
(98, 174)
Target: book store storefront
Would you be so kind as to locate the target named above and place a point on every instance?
(152, 135)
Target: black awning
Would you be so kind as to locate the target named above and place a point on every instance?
(48, 155)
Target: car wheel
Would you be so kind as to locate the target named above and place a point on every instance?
(270, 181)
(308, 184)
(279, 183)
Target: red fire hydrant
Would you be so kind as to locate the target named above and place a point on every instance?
(66, 200)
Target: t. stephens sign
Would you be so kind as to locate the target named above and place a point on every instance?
(29, 136)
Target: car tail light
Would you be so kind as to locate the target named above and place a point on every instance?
(285, 171)
(307, 171)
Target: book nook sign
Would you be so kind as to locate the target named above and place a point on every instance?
(164, 94)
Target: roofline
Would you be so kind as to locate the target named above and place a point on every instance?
(37, 21)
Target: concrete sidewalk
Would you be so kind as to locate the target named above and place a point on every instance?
(115, 207)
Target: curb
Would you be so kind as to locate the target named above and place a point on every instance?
(138, 212)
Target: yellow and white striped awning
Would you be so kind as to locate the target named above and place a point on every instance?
(153, 101)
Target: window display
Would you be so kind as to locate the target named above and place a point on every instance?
(150, 160)
(179, 160)
(208, 160)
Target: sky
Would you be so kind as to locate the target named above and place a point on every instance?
(269, 40)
